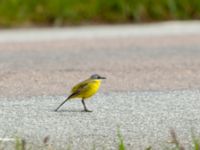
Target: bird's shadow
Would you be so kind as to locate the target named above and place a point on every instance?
(70, 110)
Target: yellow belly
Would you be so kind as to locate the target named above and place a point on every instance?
(91, 89)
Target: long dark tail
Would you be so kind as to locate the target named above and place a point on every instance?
(65, 101)
(61, 104)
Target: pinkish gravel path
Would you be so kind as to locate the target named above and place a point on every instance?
(50, 66)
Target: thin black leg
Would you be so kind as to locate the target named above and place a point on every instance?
(85, 108)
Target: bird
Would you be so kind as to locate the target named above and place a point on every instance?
(85, 90)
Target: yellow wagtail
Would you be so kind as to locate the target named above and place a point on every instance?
(84, 90)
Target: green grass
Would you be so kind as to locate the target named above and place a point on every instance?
(15, 13)
(174, 144)
(20, 144)
(121, 141)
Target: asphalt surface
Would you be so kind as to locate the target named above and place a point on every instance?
(153, 81)
(144, 118)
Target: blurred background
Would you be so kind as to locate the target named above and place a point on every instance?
(152, 71)
(26, 13)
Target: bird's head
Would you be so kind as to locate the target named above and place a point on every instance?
(96, 76)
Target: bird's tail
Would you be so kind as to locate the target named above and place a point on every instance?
(70, 96)
(61, 104)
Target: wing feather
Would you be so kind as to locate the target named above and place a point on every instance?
(79, 86)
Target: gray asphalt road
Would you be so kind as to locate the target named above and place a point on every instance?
(144, 118)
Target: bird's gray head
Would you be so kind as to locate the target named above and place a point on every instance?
(96, 76)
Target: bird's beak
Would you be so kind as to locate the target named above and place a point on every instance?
(103, 77)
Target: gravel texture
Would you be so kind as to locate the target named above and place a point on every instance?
(144, 118)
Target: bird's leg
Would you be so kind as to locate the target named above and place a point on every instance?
(85, 108)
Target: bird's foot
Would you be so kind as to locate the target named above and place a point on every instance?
(86, 110)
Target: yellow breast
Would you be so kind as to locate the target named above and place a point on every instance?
(93, 87)
(86, 88)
